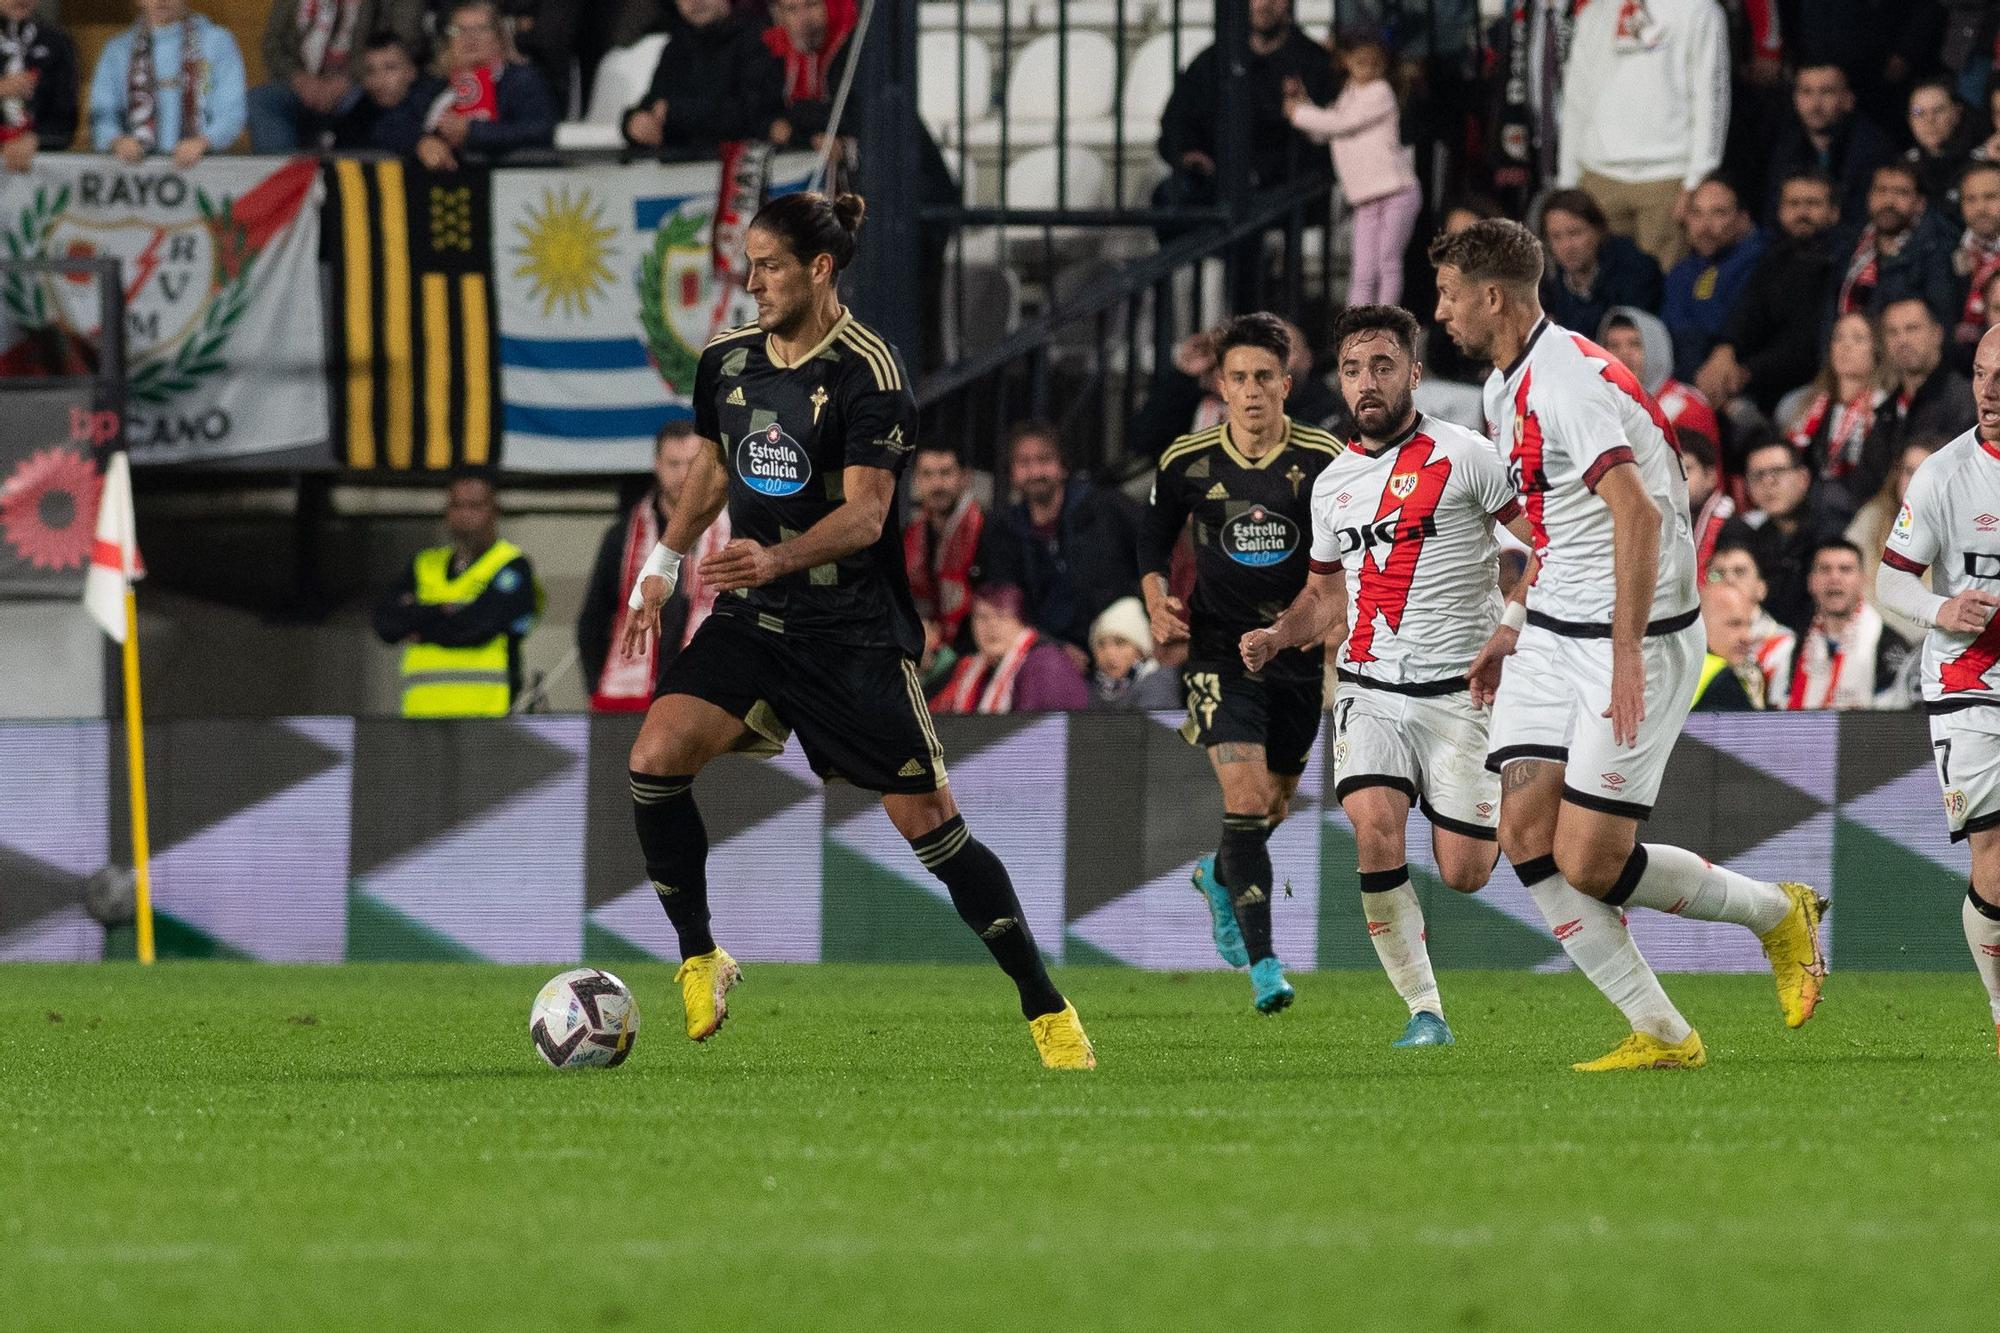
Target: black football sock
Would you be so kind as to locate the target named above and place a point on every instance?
(1243, 863)
(676, 846)
(985, 900)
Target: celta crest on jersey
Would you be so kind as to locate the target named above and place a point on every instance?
(772, 463)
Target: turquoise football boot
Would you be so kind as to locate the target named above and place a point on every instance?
(1221, 916)
(1425, 1029)
(1274, 993)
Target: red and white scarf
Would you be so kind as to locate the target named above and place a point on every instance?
(472, 93)
(972, 689)
(943, 591)
(626, 684)
(1981, 260)
(1844, 433)
(1716, 511)
(1772, 651)
(326, 34)
(1838, 674)
(1864, 270)
(142, 85)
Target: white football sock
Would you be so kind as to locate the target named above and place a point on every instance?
(1396, 929)
(1594, 935)
(1982, 933)
(1678, 881)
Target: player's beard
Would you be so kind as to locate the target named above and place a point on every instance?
(1382, 423)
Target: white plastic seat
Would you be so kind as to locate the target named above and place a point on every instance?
(938, 57)
(1035, 180)
(980, 15)
(1149, 82)
(1090, 76)
(623, 77)
(1095, 14)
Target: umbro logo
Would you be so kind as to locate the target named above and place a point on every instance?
(735, 398)
(1986, 522)
(1615, 781)
(1218, 492)
(913, 769)
(1343, 497)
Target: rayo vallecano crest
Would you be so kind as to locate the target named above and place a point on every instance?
(186, 283)
(1402, 485)
(691, 280)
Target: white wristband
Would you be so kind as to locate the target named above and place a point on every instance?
(666, 564)
(1515, 616)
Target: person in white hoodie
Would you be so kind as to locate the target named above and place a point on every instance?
(1645, 111)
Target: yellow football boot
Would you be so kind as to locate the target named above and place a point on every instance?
(1060, 1041)
(1797, 963)
(1642, 1050)
(705, 981)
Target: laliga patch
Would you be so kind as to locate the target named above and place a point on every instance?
(1259, 537)
(771, 462)
(1904, 519)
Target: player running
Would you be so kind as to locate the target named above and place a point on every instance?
(1403, 551)
(1946, 525)
(806, 420)
(1247, 484)
(1603, 675)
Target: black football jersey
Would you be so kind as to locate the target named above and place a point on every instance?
(786, 432)
(1252, 531)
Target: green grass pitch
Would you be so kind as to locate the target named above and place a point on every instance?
(211, 1146)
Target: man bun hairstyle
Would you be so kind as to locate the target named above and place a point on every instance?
(810, 224)
(1492, 250)
(1393, 320)
(1261, 329)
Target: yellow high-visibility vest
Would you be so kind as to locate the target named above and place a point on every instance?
(458, 682)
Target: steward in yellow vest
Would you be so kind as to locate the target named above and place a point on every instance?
(461, 613)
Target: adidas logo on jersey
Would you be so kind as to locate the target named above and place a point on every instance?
(913, 769)
(735, 398)
(1218, 492)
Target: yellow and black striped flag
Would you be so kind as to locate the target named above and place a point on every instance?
(413, 371)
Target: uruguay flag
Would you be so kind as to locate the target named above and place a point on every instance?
(610, 281)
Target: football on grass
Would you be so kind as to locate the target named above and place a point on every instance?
(584, 1017)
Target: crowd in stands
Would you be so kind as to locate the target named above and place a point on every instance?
(444, 81)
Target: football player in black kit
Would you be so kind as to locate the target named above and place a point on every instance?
(806, 420)
(1247, 485)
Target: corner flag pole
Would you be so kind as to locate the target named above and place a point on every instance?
(110, 601)
(135, 769)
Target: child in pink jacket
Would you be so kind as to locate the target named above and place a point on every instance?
(1373, 166)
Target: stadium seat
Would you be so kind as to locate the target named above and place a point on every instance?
(980, 15)
(1096, 14)
(992, 296)
(623, 77)
(937, 82)
(1317, 17)
(1149, 82)
(1033, 181)
(1091, 77)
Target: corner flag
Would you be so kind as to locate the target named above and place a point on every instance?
(114, 557)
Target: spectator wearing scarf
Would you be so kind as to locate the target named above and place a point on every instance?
(170, 83)
(37, 85)
(1015, 669)
(495, 103)
(616, 683)
(312, 65)
(1977, 260)
(810, 38)
(1837, 410)
(1847, 658)
(941, 543)
(1903, 251)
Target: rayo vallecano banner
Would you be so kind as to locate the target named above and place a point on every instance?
(610, 280)
(221, 272)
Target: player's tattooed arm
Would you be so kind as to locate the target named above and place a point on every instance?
(703, 496)
(1317, 614)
